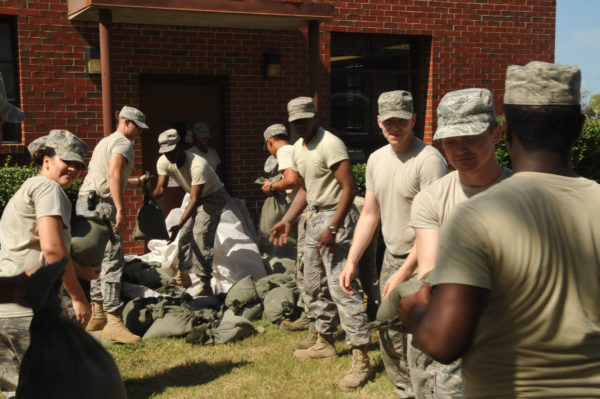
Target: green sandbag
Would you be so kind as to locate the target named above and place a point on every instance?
(89, 236)
(149, 274)
(282, 265)
(252, 312)
(388, 310)
(241, 294)
(137, 316)
(232, 328)
(150, 221)
(280, 304)
(267, 283)
(172, 324)
(273, 209)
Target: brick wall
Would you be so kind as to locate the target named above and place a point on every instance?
(472, 42)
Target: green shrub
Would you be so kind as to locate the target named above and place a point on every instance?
(359, 170)
(12, 177)
(585, 156)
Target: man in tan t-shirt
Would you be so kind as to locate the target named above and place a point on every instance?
(395, 174)
(516, 280)
(467, 130)
(108, 175)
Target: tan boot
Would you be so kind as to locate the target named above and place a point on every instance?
(182, 279)
(301, 323)
(98, 318)
(115, 330)
(360, 372)
(322, 349)
(309, 340)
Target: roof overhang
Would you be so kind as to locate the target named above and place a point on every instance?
(243, 14)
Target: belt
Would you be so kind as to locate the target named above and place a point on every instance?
(99, 199)
(318, 209)
(399, 256)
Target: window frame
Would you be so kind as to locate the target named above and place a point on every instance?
(12, 22)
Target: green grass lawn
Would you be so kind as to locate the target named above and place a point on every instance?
(261, 366)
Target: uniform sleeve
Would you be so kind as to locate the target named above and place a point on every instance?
(198, 170)
(465, 251)
(285, 158)
(50, 200)
(335, 151)
(369, 175)
(124, 147)
(162, 166)
(294, 155)
(434, 167)
(423, 211)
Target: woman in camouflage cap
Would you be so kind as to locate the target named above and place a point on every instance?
(34, 230)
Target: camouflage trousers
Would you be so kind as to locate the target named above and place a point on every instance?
(14, 341)
(433, 380)
(303, 300)
(392, 343)
(322, 275)
(107, 288)
(197, 235)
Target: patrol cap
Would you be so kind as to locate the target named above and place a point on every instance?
(67, 146)
(134, 115)
(168, 140)
(274, 130)
(8, 112)
(467, 112)
(300, 108)
(542, 83)
(201, 130)
(395, 104)
(37, 144)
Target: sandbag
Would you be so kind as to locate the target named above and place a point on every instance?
(280, 304)
(273, 209)
(252, 312)
(63, 360)
(172, 324)
(242, 293)
(232, 328)
(388, 310)
(150, 221)
(149, 274)
(89, 236)
(137, 316)
(267, 283)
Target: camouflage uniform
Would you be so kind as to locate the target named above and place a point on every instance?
(14, 341)
(326, 307)
(303, 300)
(197, 235)
(433, 380)
(393, 343)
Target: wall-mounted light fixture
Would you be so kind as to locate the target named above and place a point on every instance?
(92, 61)
(272, 65)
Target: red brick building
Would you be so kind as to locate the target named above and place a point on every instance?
(182, 61)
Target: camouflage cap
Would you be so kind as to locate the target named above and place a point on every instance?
(37, 144)
(8, 112)
(467, 112)
(201, 130)
(67, 146)
(395, 104)
(168, 140)
(542, 83)
(274, 130)
(300, 108)
(134, 115)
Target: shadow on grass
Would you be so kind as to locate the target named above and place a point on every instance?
(186, 375)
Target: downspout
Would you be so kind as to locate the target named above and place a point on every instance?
(314, 58)
(108, 101)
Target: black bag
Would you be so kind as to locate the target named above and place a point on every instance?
(150, 221)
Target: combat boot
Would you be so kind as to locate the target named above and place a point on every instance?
(360, 372)
(322, 349)
(115, 330)
(182, 279)
(309, 340)
(301, 323)
(98, 318)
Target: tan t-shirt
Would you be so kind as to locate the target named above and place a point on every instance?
(534, 242)
(209, 156)
(194, 172)
(285, 160)
(395, 179)
(432, 206)
(97, 176)
(20, 243)
(313, 162)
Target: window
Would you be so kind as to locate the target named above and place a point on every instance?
(364, 66)
(11, 133)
